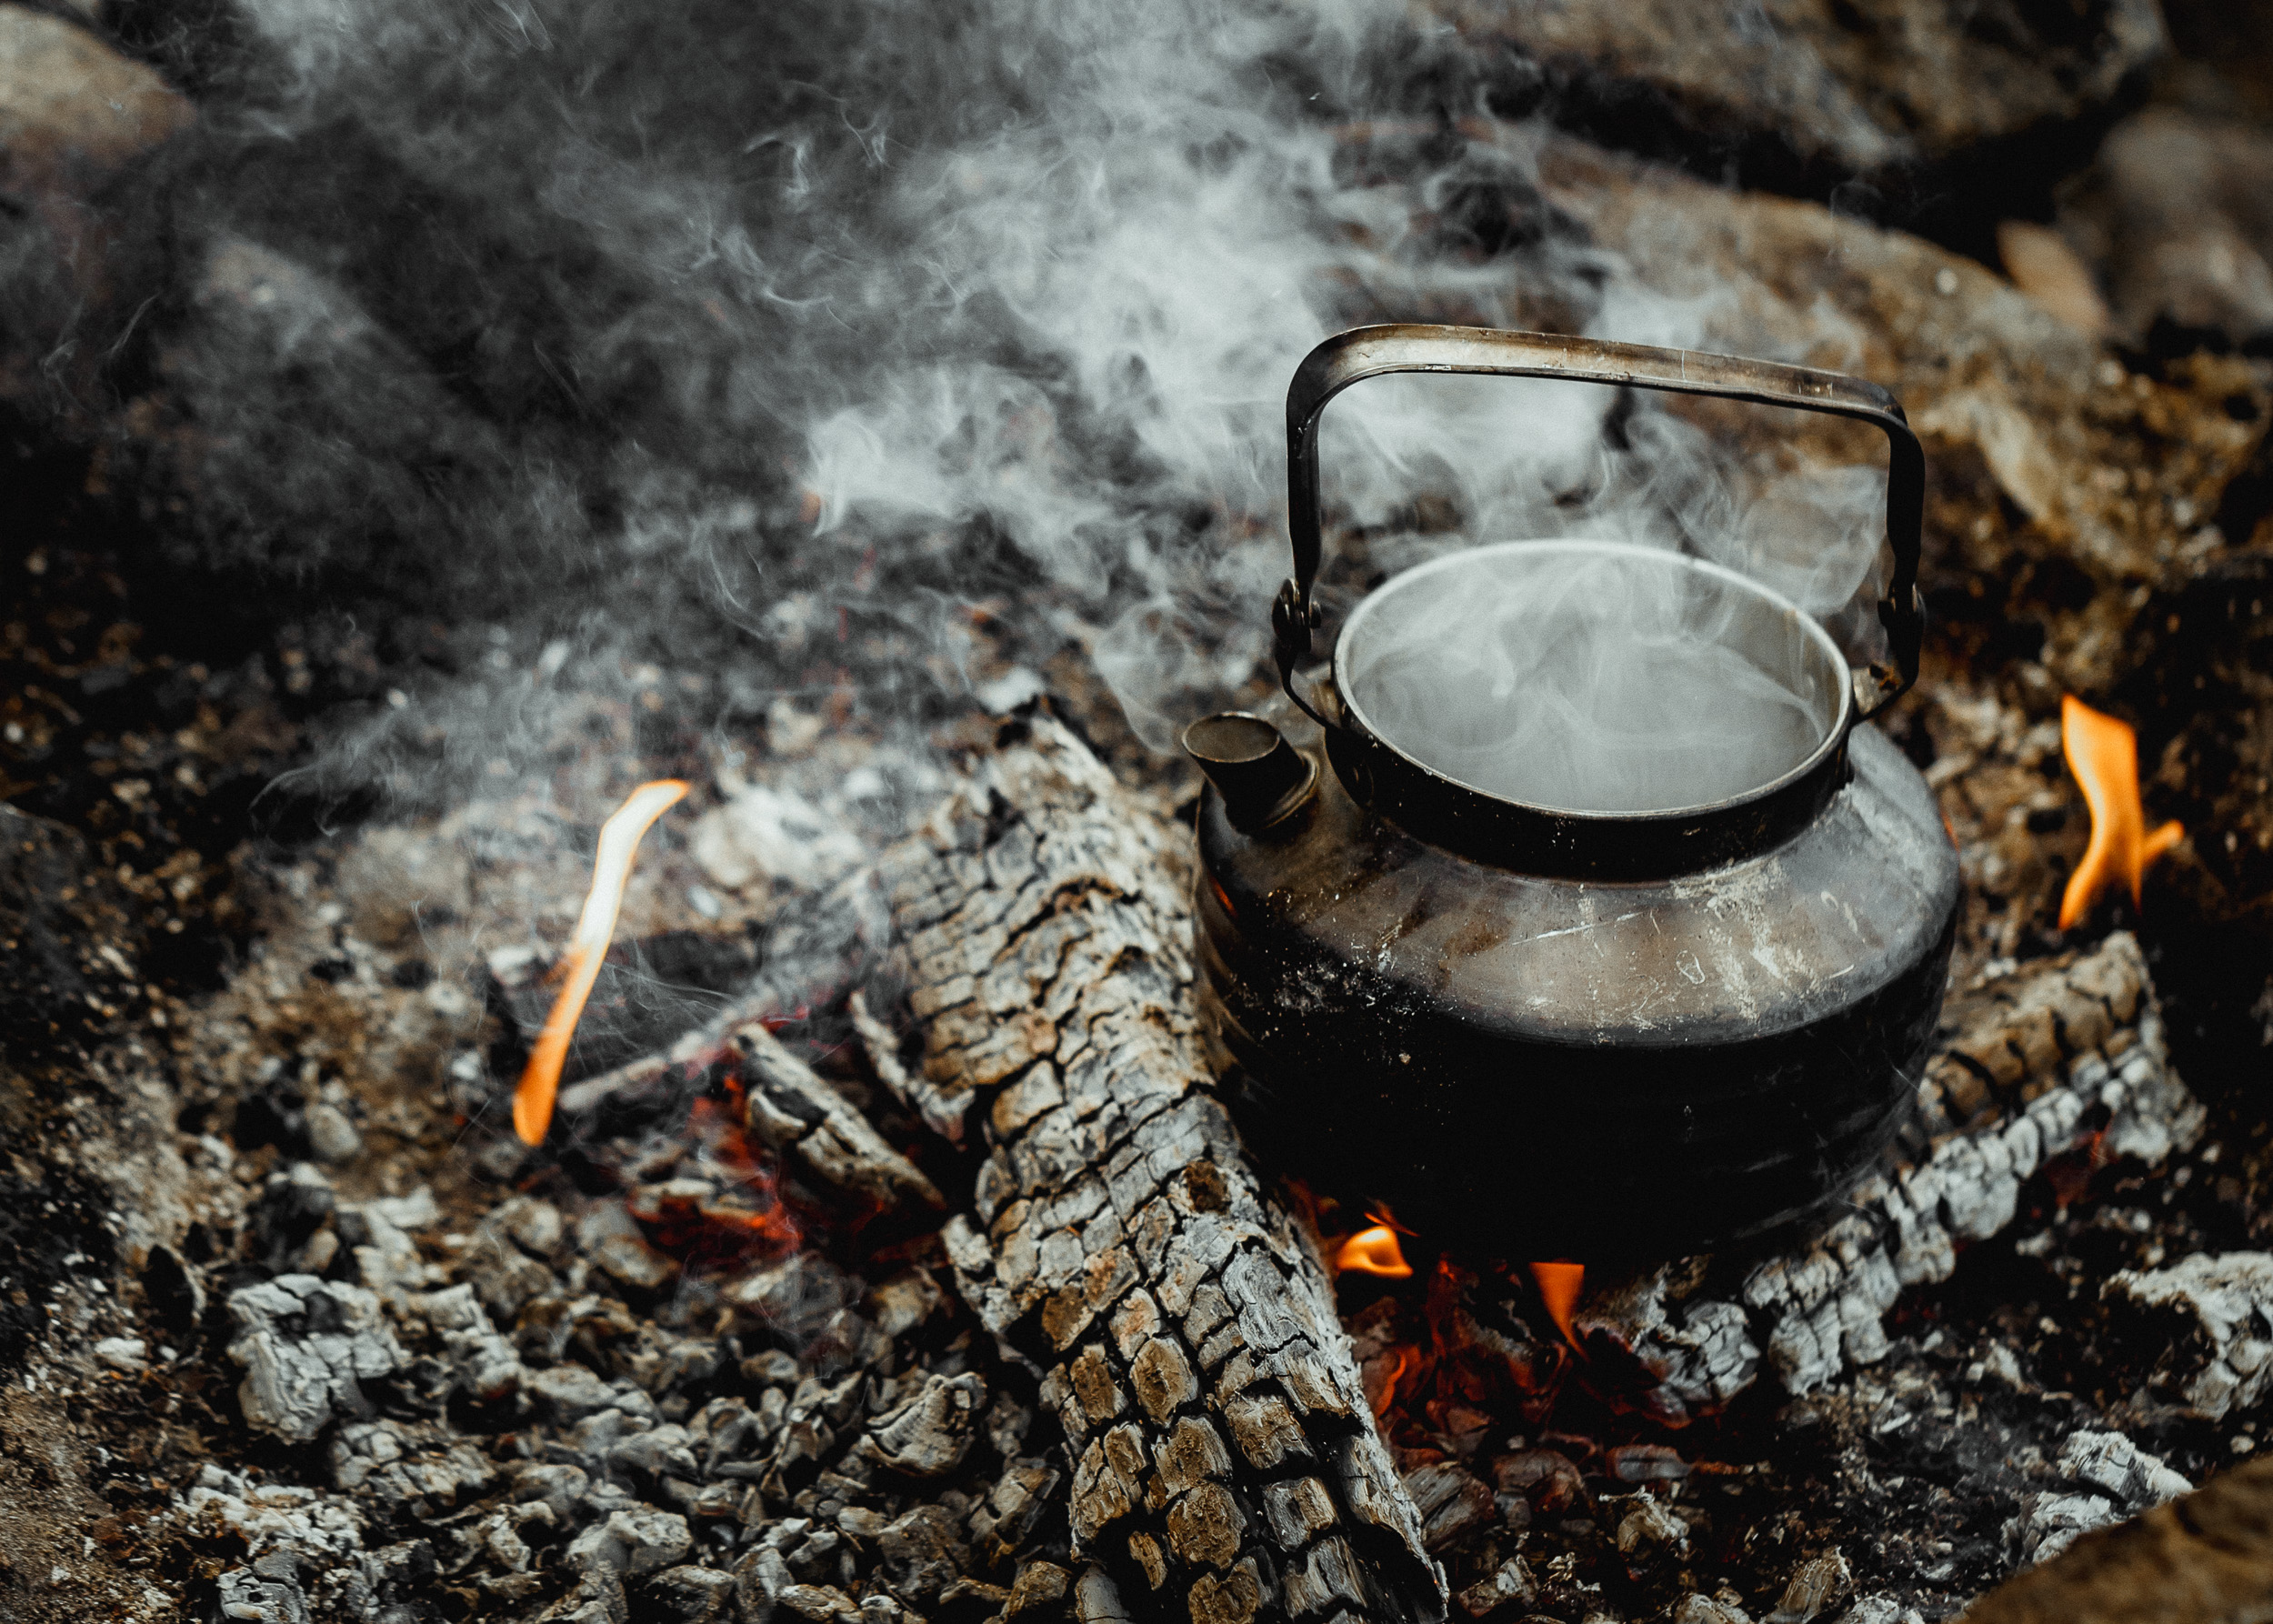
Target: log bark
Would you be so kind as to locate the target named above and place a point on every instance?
(2062, 1055)
(1226, 1462)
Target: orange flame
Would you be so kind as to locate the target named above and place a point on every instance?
(2103, 754)
(1559, 1284)
(1374, 1251)
(580, 965)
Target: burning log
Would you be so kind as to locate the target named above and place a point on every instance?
(800, 1114)
(792, 1108)
(1226, 1454)
(2061, 1056)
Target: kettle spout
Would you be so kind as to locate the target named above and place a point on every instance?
(1259, 774)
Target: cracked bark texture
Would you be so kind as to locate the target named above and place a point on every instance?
(1226, 1463)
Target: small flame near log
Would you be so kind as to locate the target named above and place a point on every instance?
(1375, 1251)
(1559, 1282)
(579, 967)
(2103, 754)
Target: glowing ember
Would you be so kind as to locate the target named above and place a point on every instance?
(1374, 1251)
(2103, 754)
(1381, 1377)
(1558, 1284)
(580, 965)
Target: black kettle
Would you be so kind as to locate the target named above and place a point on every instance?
(1536, 1021)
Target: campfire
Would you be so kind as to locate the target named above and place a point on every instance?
(686, 939)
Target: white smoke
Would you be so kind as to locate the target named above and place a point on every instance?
(1602, 680)
(778, 341)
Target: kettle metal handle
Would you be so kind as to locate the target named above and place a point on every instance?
(1371, 352)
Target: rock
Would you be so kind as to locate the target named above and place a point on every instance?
(71, 108)
(2174, 210)
(2059, 485)
(75, 116)
(1787, 89)
(631, 1542)
(130, 1354)
(331, 1135)
(2044, 266)
(304, 1343)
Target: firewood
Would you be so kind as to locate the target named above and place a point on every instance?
(799, 1114)
(1226, 1463)
(792, 1108)
(2061, 1054)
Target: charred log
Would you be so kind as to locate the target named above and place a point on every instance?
(2064, 1056)
(1228, 1461)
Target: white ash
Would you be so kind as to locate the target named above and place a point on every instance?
(2103, 1477)
(305, 1344)
(2212, 1316)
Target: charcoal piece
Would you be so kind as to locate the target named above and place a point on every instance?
(269, 1589)
(289, 1210)
(796, 1111)
(1815, 1584)
(1045, 927)
(1511, 1582)
(692, 1595)
(928, 1435)
(635, 1540)
(485, 1364)
(305, 1344)
(1451, 1502)
(572, 1391)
